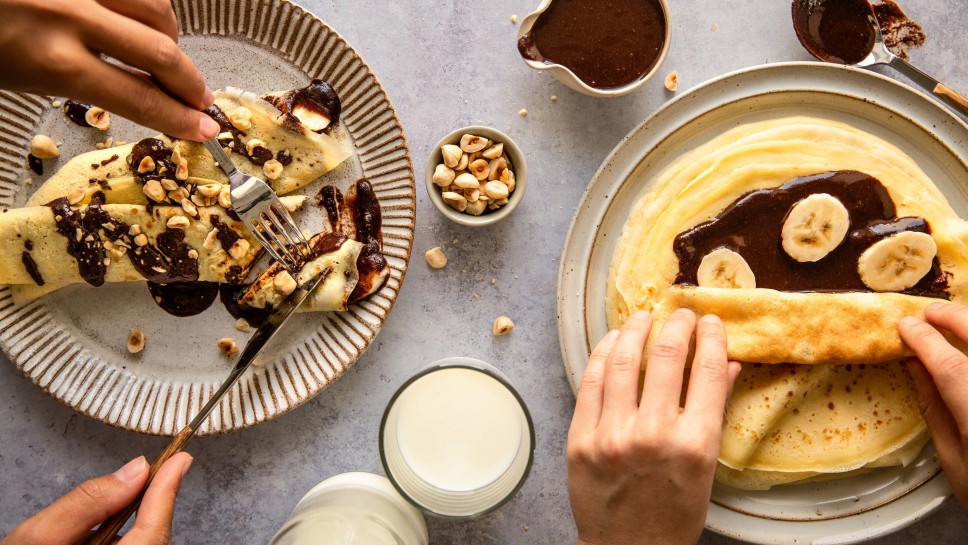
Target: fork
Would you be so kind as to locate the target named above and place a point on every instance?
(263, 213)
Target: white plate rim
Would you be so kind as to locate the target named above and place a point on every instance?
(572, 278)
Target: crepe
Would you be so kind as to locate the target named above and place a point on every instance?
(335, 260)
(769, 326)
(789, 423)
(108, 170)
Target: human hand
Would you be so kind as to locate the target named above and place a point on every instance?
(642, 471)
(940, 374)
(69, 520)
(53, 47)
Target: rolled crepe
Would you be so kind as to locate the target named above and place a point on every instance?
(108, 170)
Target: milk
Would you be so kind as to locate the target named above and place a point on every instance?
(458, 429)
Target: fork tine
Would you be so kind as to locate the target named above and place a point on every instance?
(267, 244)
(272, 228)
(294, 235)
(281, 229)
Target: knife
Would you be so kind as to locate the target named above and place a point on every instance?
(108, 530)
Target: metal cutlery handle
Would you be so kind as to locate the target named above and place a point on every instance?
(223, 160)
(946, 94)
(106, 533)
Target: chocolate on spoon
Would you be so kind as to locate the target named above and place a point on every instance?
(847, 32)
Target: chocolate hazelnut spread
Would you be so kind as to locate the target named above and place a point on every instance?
(35, 164)
(834, 30)
(752, 224)
(160, 154)
(900, 33)
(76, 111)
(606, 43)
(840, 31)
(318, 99)
(184, 298)
(31, 266)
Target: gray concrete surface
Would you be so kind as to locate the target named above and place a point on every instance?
(445, 65)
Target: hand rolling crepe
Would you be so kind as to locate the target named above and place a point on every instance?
(787, 423)
(269, 135)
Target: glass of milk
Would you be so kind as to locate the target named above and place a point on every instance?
(353, 509)
(457, 439)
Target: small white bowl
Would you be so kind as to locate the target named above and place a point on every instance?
(518, 166)
(567, 77)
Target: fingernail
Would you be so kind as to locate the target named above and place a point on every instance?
(934, 306)
(208, 127)
(209, 97)
(710, 319)
(132, 470)
(642, 315)
(909, 321)
(683, 312)
(187, 465)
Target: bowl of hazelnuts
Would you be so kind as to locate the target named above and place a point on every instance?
(476, 176)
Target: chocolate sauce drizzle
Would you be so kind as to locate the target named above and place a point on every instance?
(752, 225)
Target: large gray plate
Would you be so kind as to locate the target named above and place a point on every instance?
(72, 343)
(841, 511)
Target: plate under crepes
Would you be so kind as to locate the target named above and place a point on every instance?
(72, 342)
(845, 510)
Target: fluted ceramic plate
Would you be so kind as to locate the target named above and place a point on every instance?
(841, 511)
(72, 343)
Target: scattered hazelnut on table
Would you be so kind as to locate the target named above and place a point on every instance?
(514, 19)
(42, 147)
(471, 173)
(228, 346)
(436, 258)
(243, 325)
(502, 326)
(523, 112)
(672, 81)
(136, 340)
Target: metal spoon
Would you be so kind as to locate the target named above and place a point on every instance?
(879, 54)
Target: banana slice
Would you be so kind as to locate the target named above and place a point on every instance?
(724, 268)
(898, 262)
(814, 227)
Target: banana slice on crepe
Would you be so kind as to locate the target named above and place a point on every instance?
(898, 262)
(814, 227)
(724, 268)
(263, 142)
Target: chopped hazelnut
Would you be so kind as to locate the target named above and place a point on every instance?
(42, 147)
(136, 340)
(228, 347)
(168, 184)
(239, 249)
(189, 208)
(76, 195)
(523, 112)
(225, 197)
(672, 81)
(210, 239)
(193, 254)
(210, 190)
(154, 191)
(272, 169)
(436, 258)
(241, 118)
(470, 143)
(178, 222)
(243, 325)
(99, 118)
(141, 240)
(502, 325)
(146, 165)
(284, 283)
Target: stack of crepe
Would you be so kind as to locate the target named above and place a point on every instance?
(107, 174)
(846, 402)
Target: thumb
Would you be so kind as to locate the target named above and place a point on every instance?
(69, 519)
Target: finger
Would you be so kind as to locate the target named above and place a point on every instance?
(588, 407)
(946, 364)
(621, 390)
(152, 526)
(157, 14)
(709, 376)
(665, 365)
(112, 88)
(944, 429)
(70, 518)
(151, 51)
(950, 316)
